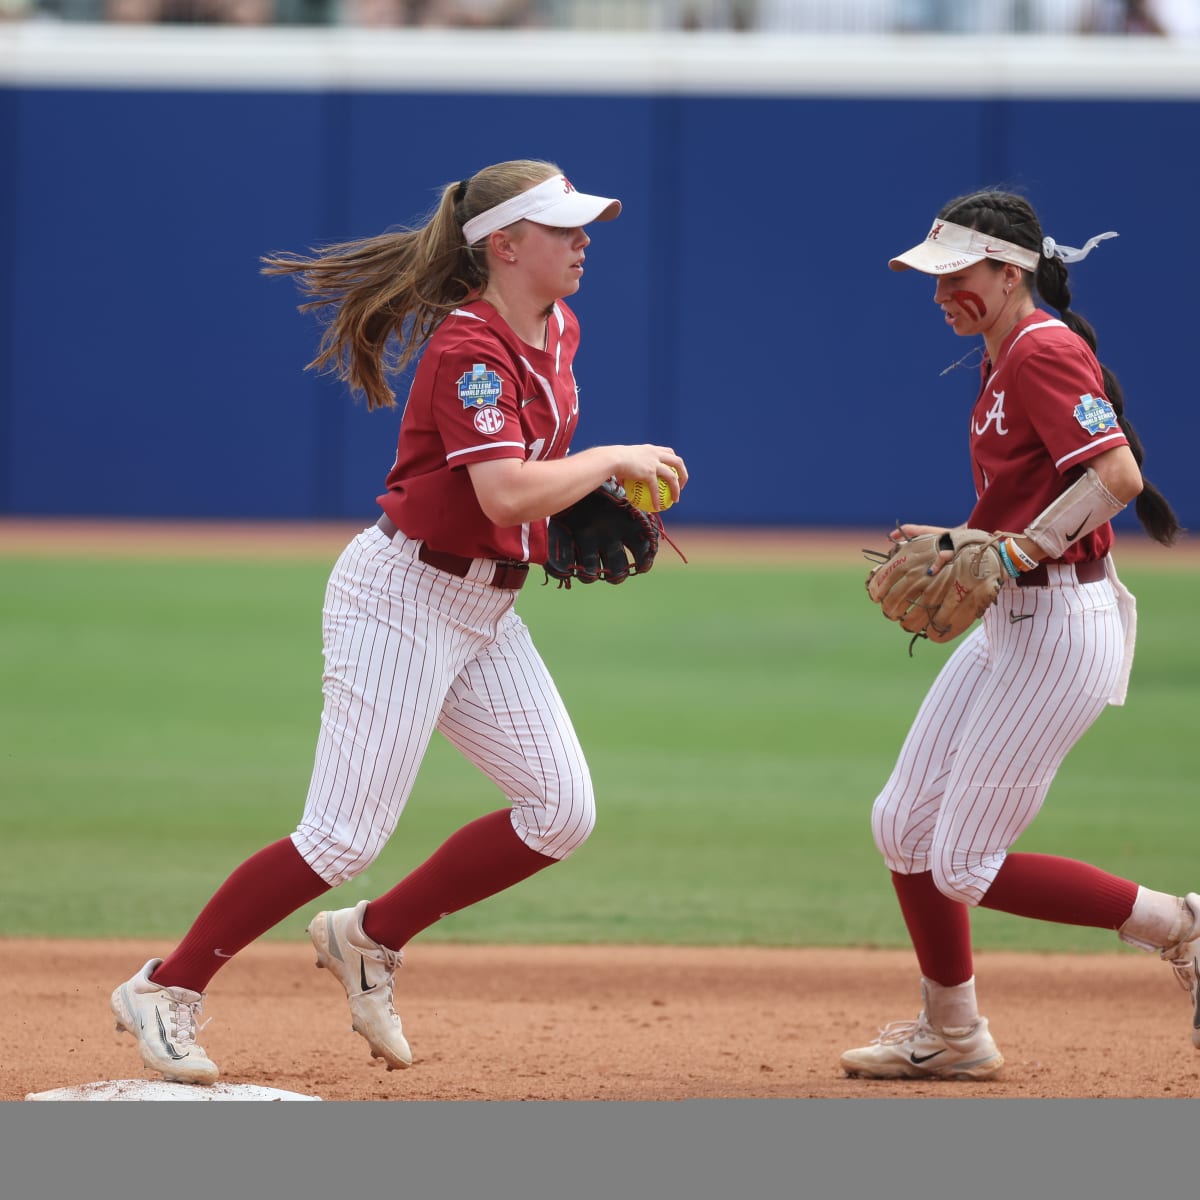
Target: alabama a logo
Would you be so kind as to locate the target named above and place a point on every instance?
(1095, 414)
(479, 387)
(994, 415)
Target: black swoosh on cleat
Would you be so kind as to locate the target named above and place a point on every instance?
(162, 1034)
(362, 975)
(918, 1059)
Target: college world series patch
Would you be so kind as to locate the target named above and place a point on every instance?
(479, 387)
(1095, 414)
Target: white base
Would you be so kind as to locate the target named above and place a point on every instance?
(160, 1089)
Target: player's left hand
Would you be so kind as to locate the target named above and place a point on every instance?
(936, 584)
(602, 536)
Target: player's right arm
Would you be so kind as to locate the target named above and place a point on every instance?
(513, 491)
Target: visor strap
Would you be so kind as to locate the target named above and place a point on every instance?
(516, 208)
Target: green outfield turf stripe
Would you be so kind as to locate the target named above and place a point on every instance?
(159, 721)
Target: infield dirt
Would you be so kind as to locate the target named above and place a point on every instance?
(606, 1023)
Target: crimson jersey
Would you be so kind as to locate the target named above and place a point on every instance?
(480, 393)
(1040, 417)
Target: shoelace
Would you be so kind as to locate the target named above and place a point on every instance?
(390, 960)
(185, 1027)
(1184, 958)
(1185, 969)
(903, 1031)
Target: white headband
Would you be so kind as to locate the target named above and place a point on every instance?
(554, 201)
(948, 247)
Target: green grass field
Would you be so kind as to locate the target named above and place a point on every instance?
(159, 720)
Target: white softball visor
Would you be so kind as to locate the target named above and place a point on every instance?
(554, 201)
(948, 247)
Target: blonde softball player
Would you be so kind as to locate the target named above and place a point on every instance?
(420, 631)
(1053, 455)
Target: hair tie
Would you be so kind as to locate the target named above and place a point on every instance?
(460, 192)
(1069, 254)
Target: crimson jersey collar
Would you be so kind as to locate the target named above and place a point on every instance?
(486, 312)
(1039, 316)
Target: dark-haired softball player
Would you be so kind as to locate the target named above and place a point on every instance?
(1054, 456)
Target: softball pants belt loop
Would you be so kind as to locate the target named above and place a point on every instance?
(508, 575)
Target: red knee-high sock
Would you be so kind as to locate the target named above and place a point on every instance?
(481, 859)
(940, 929)
(1049, 888)
(267, 887)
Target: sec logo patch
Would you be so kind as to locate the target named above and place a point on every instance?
(489, 420)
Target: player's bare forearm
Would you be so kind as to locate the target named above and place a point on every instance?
(514, 491)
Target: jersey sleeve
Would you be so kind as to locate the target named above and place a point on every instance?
(1065, 402)
(475, 405)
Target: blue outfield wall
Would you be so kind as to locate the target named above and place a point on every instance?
(740, 309)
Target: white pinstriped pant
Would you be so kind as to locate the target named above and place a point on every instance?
(997, 723)
(409, 649)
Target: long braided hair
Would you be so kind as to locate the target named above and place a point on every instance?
(383, 297)
(1011, 217)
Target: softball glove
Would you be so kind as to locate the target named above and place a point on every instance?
(941, 606)
(601, 536)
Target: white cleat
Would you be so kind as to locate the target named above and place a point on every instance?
(367, 971)
(165, 1022)
(1184, 958)
(916, 1050)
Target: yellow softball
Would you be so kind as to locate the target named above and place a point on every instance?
(638, 494)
